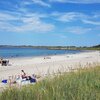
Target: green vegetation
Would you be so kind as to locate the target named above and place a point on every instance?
(97, 47)
(81, 85)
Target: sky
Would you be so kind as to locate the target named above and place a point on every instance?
(50, 22)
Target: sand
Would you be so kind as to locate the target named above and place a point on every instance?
(49, 65)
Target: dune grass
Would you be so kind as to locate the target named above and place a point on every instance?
(81, 85)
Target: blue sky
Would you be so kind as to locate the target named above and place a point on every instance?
(50, 22)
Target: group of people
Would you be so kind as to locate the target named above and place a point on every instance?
(20, 79)
(4, 62)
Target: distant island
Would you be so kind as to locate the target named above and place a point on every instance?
(96, 47)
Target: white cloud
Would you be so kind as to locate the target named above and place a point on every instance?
(69, 16)
(23, 20)
(76, 1)
(77, 30)
(34, 24)
(91, 22)
(93, 19)
(31, 2)
(24, 23)
(34, 28)
(5, 17)
(41, 2)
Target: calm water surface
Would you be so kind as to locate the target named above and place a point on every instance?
(28, 52)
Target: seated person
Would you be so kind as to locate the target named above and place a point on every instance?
(23, 75)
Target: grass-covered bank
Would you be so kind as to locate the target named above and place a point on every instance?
(81, 85)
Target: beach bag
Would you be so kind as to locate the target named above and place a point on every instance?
(32, 80)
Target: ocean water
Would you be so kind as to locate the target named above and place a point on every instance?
(29, 52)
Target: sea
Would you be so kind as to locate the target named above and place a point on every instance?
(14, 52)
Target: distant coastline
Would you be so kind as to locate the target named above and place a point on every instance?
(96, 47)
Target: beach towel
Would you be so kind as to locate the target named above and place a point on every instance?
(4, 81)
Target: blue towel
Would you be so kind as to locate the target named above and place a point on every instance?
(4, 81)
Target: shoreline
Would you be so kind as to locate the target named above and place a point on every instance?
(38, 56)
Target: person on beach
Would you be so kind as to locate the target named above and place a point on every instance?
(1, 59)
(23, 75)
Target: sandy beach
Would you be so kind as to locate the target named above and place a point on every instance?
(50, 64)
